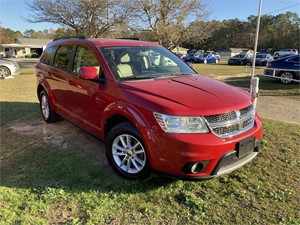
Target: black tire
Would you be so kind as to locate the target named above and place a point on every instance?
(48, 114)
(286, 77)
(126, 153)
(4, 72)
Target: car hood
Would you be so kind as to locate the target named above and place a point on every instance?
(188, 95)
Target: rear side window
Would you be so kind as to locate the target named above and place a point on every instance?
(48, 55)
(63, 57)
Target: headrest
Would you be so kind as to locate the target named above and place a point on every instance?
(125, 58)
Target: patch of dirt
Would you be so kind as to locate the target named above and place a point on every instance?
(63, 135)
(279, 108)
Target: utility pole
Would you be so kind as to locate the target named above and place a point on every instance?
(255, 80)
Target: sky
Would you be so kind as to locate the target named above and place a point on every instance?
(13, 12)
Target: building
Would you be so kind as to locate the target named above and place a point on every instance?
(24, 47)
(180, 50)
(229, 52)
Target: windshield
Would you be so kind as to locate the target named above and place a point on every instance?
(261, 56)
(144, 62)
(240, 56)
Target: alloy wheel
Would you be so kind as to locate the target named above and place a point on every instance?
(45, 106)
(286, 77)
(129, 154)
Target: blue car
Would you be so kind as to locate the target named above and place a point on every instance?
(287, 68)
(206, 58)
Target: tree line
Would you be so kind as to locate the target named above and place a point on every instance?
(169, 22)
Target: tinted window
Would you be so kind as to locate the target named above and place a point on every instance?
(48, 55)
(63, 56)
(84, 57)
(294, 59)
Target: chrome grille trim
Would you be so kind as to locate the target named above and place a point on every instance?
(231, 123)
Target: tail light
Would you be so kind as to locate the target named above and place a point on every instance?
(269, 65)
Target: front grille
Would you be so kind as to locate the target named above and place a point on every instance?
(231, 123)
(220, 117)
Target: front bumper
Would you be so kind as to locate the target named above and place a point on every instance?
(175, 154)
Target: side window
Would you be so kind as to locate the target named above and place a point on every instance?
(294, 59)
(84, 57)
(63, 56)
(48, 55)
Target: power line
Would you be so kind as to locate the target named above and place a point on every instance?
(282, 9)
(246, 19)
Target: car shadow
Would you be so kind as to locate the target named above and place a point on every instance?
(37, 155)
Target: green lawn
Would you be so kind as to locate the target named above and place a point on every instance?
(44, 184)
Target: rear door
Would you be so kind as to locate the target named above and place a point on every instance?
(59, 74)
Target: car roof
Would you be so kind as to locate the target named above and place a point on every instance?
(103, 42)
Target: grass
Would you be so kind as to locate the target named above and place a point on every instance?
(45, 184)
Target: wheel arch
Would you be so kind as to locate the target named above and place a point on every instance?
(117, 113)
(41, 88)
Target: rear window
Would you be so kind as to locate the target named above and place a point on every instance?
(48, 55)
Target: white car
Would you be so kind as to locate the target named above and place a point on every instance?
(286, 52)
(8, 67)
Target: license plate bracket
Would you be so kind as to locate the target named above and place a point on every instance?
(245, 146)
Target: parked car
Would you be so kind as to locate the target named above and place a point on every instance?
(151, 114)
(206, 58)
(189, 57)
(287, 68)
(286, 52)
(10, 54)
(240, 59)
(8, 67)
(35, 55)
(216, 54)
(263, 59)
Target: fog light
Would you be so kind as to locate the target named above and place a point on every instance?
(194, 167)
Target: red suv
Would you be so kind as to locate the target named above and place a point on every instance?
(153, 111)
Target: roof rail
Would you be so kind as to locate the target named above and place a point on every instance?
(131, 38)
(78, 37)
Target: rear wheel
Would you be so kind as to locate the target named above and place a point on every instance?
(4, 72)
(48, 114)
(126, 152)
(286, 77)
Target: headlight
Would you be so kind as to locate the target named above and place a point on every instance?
(181, 124)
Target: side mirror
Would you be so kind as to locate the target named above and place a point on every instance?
(88, 73)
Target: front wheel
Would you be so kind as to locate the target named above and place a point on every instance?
(126, 152)
(286, 77)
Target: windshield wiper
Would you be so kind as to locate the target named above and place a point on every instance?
(173, 75)
(137, 77)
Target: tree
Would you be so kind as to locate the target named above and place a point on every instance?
(91, 18)
(167, 19)
(9, 36)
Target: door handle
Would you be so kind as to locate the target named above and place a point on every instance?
(74, 84)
